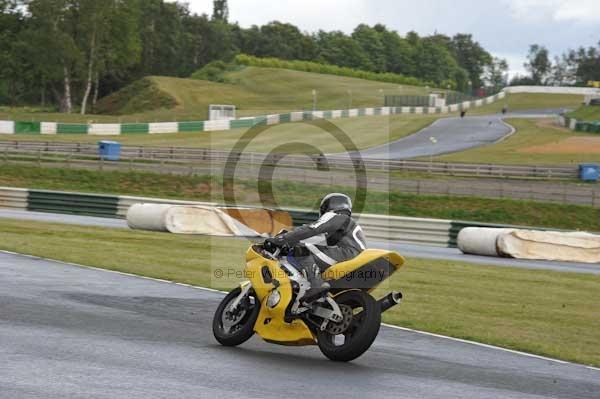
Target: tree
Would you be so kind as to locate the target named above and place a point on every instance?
(399, 54)
(496, 73)
(369, 40)
(220, 10)
(283, 40)
(435, 62)
(538, 64)
(470, 56)
(54, 46)
(563, 72)
(13, 77)
(587, 64)
(339, 49)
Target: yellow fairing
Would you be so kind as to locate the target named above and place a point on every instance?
(271, 325)
(340, 270)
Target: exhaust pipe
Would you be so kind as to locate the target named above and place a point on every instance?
(390, 300)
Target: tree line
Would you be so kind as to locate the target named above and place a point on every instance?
(572, 68)
(69, 53)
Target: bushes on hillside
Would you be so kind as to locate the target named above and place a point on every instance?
(328, 69)
(213, 71)
(140, 96)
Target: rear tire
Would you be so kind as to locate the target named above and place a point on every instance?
(357, 339)
(227, 329)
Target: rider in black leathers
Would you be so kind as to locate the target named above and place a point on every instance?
(345, 240)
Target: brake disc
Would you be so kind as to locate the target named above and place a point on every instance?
(338, 328)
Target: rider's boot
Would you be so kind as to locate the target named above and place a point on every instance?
(318, 287)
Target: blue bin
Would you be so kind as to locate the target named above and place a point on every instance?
(589, 172)
(109, 150)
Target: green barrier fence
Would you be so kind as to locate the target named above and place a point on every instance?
(72, 203)
(190, 126)
(27, 127)
(133, 128)
(71, 128)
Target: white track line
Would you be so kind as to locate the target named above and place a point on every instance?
(383, 324)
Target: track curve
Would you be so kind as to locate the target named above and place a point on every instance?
(448, 135)
(453, 134)
(68, 331)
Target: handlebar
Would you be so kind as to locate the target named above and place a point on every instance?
(273, 255)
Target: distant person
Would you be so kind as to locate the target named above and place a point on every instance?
(504, 109)
(463, 113)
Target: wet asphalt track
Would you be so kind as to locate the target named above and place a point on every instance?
(453, 134)
(417, 251)
(71, 332)
(74, 332)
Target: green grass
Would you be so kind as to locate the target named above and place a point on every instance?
(527, 101)
(587, 113)
(548, 313)
(254, 91)
(529, 133)
(364, 132)
(292, 194)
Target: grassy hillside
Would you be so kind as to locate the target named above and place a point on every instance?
(587, 113)
(253, 90)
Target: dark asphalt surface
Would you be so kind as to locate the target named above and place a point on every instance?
(71, 332)
(453, 134)
(450, 134)
(417, 251)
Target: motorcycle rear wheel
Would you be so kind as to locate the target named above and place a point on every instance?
(363, 330)
(235, 329)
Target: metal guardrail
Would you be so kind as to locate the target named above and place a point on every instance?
(14, 198)
(531, 190)
(378, 227)
(433, 232)
(186, 155)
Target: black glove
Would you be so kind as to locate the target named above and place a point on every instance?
(271, 244)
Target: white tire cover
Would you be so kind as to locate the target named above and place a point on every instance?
(148, 216)
(480, 240)
(551, 245)
(186, 219)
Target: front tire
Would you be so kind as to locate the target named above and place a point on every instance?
(361, 333)
(235, 328)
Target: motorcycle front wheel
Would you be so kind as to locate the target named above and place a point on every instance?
(363, 319)
(232, 328)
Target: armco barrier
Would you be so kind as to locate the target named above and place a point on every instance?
(14, 198)
(72, 203)
(11, 127)
(435, 232)
(190, 155)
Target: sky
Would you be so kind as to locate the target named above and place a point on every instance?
(505, 28)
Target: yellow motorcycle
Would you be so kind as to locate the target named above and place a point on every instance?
(343, 324)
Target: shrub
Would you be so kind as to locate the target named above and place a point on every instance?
(328, 69)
